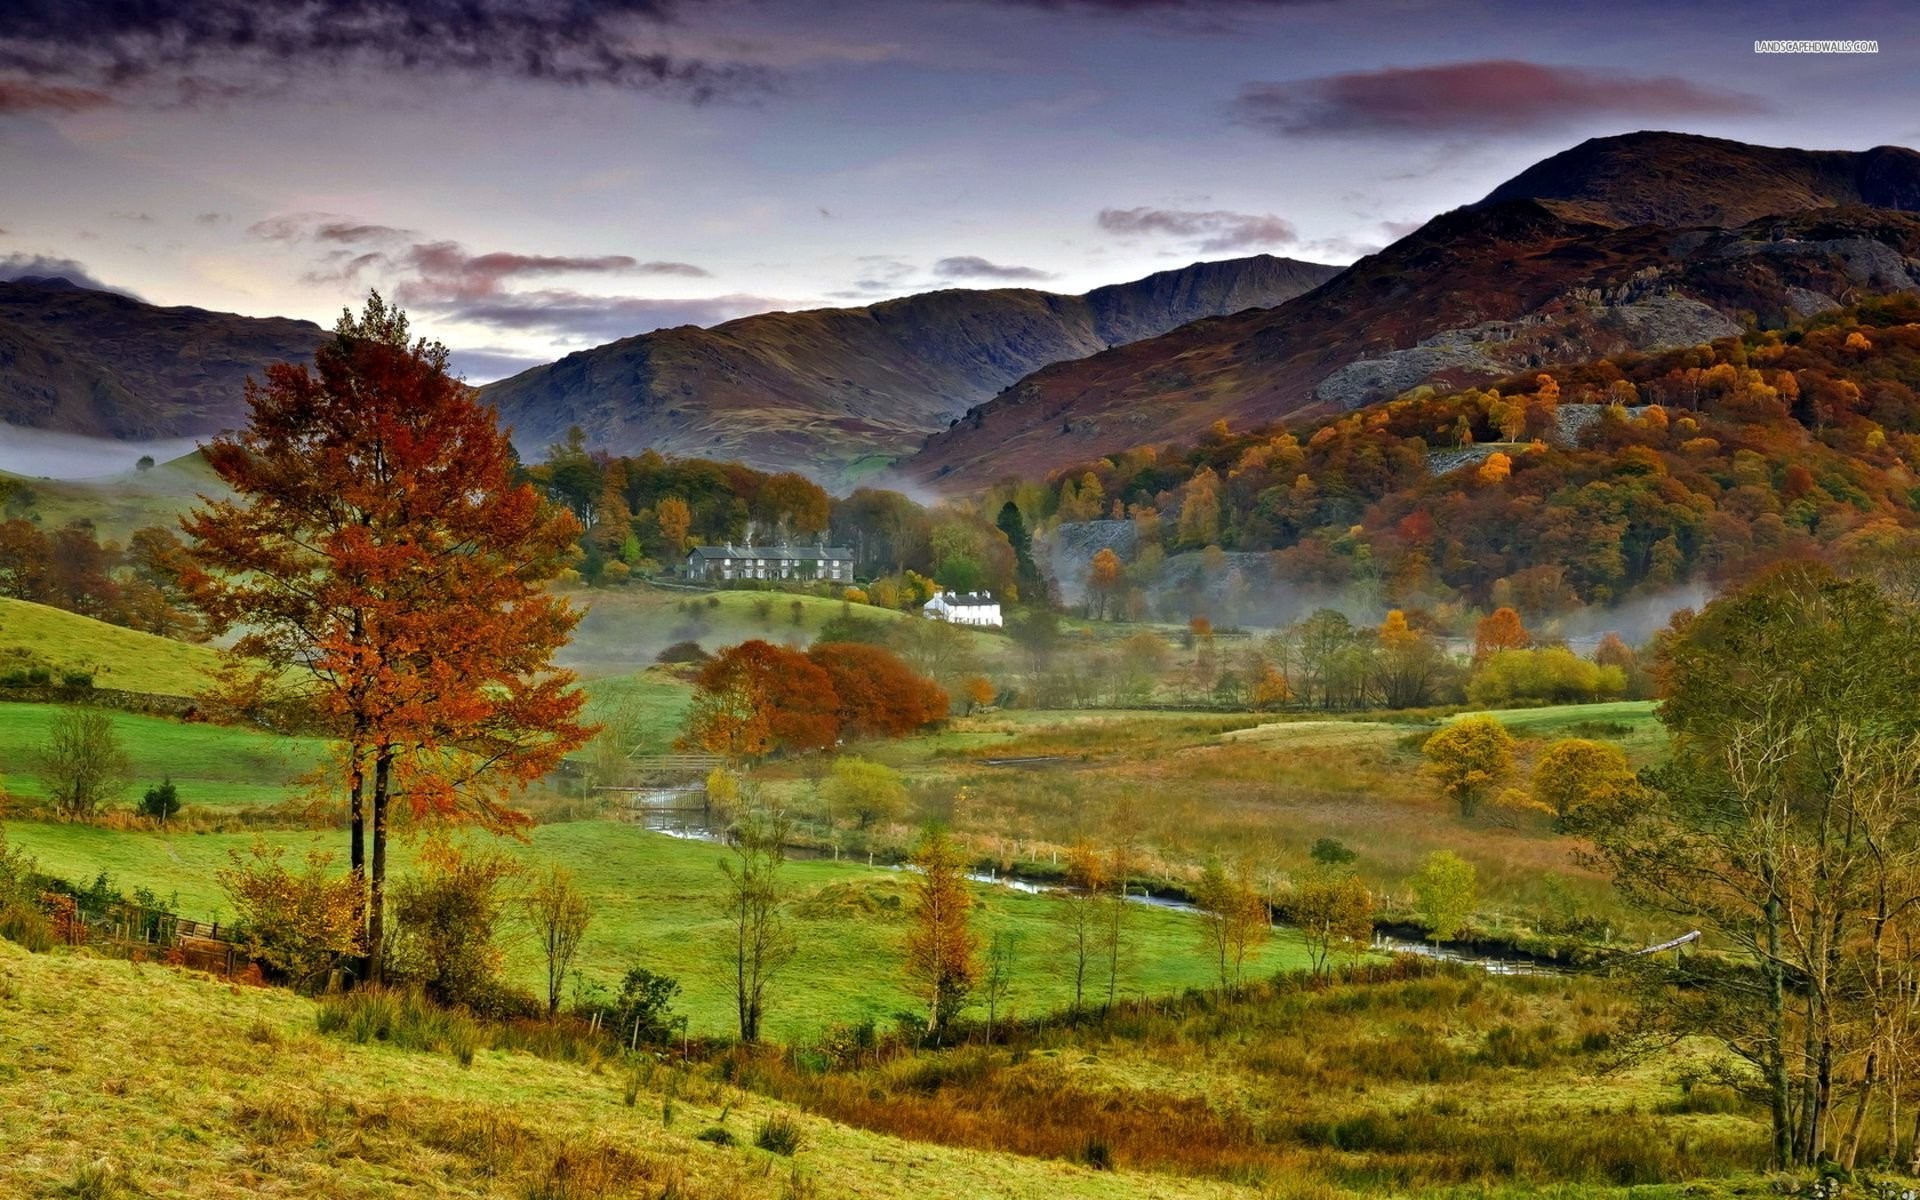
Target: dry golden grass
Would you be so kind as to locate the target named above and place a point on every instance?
(125, 1080)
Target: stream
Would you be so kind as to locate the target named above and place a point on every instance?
(664, 811)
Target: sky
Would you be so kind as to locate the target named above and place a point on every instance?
(533, 177)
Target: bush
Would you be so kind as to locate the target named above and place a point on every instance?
(715, 1135)
(642, 1010)
(1554, 675)
(445, 918)
(779, 1134)
(25, 925)
(299, 924)
(161, 801)
(682, 652)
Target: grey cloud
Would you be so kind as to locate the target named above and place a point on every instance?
(1483, 97)
(970, 266)
(75, 53)
(15, 267)
(586, 319)
(1216, 230)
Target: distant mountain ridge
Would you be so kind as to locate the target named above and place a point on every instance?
(76, 360)
(1640, 242)
(822, 390)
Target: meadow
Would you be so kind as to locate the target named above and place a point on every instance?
(655, 900)
(116, 658)
(215, 767)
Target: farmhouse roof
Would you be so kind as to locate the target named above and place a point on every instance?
(775, 553)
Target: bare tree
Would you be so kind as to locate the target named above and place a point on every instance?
(754, 901)
(559, 914)
(81, 763)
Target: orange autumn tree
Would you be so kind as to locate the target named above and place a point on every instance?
(378, 550)
(877, 694)
(752, 699)
(1499, 630)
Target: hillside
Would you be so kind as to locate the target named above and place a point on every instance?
(1511, 284)
(118, 504)
(243, 1097)
(1642, 478)
(841, 390)
(89, 362)
(117, 658)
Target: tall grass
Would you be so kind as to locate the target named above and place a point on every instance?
(1397, 1079)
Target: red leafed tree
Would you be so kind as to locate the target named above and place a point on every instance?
(879, 694)
(378, 550)
(752, 699)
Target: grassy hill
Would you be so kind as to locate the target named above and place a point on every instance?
(119, 1081)
(119, 504)
(118, 658)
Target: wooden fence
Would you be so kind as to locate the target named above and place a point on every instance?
(136, 931)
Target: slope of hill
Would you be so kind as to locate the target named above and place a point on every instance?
(1599, 483)
(823, 390)
(1511, 284)
(241, 1097)
(117, 658)
(82, 361)
(118, 504)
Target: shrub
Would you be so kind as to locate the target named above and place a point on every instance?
(76, 679)
(445, 917)
(299, 924)
(715, 1135)
(27, 926)
(1554, 675)
(161, 801)
(682, 652)
(780, 1134)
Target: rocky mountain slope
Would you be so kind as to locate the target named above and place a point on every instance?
(1587, 268)
(830, 389)
(81, 361)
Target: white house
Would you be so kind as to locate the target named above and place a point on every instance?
(973, 608)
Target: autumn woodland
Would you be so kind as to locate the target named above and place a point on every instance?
(1439, 721)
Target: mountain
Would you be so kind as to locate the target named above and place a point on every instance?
(75, 360)
(1584, 270)
(829, 390)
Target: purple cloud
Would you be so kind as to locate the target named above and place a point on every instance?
(1489, 96)
(1212, 231)
(972, 266)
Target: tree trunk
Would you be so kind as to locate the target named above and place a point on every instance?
(377, 893)
(357, 846)
(1777, 1050)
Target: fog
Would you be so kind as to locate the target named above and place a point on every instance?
(40, 454)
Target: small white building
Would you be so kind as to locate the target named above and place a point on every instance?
(970, 608)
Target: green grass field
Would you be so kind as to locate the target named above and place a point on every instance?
(215, 766)
(119, 658)
(655, 898)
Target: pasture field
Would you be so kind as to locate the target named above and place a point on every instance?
(214, 766)
(1021, 786)
(118, 658)
(655, 899)
(120, 1080)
